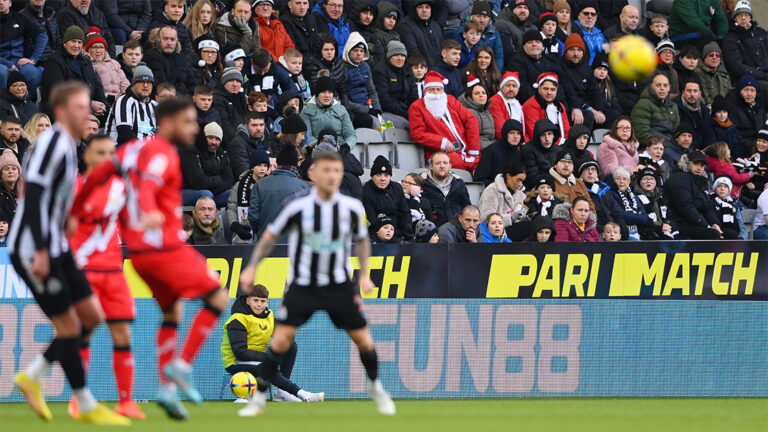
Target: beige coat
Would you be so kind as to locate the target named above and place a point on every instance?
(497, 198)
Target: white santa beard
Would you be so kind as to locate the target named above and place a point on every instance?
(436, 104)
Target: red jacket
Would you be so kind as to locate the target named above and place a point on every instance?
(429, 132)
(274, 38)
(568, 231)
(534, 111)
(718, 168)
(498, 110)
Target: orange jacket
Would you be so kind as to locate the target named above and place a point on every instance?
(274, 38)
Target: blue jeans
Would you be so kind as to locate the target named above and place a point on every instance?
(189, 197)
(33, 74)
(760, 233)
(119, 35)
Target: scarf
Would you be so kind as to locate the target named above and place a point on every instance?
(726, 210)
(208, 230)
(630, 205)
(244, 196)
(544, 205)
(696, 107)
(725, 125)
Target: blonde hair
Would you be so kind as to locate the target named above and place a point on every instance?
(192, 21)
(31, 127)
(292, 53)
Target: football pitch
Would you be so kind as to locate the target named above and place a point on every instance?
(440, 416)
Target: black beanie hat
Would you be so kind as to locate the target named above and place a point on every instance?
(719, 104)
(293, 124)
(324, 83)
(15, 76)
(287, 155)
(586, 162)
(546, 179)
(381, 166)
(382, 220)
(684, 127)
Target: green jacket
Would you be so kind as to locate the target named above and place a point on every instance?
(652, 116)
(713, 82)
(334, 116)
(691, 16)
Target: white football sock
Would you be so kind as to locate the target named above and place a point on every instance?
(85, 399)
(38, 368)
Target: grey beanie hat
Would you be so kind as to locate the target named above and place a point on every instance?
(231, 73)
(142, 73)
(396, 47)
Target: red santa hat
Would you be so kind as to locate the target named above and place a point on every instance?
(546, 76)
(514, 76)
(93, 37)
(434, 79)
(472, 80)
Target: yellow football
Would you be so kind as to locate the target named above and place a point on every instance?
(632, 58)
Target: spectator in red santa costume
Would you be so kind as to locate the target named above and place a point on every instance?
(544, 104)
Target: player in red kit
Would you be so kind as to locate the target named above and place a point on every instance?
(98, 251)
(152, 232)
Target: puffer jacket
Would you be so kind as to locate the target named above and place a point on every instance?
(484, 118)
(391, 202)
(127, 15)
(537, 159)
(376, 51)
(445, 207)
(333, 116)
(496, 157)
(719, 167)
(747, 119)
(23, 108)
(693, 16)
(203, 170)
(313, 64)
(339, 29)
(713, 82)
(69, 16)
(730, 136)
(226, 33)
(274, 38)
(49, 24)
(613, 153)
(485, 233)
(422, 37)
(111, 73)
(20, 37)
(653, 116)
(568, 230)
(8, 202)
(745, 51)
(160, 19)
(497, 198)
(691, 205)
(360, 86)
(396, 88)
(384, 36)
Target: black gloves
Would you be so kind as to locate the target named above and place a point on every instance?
(242, 231)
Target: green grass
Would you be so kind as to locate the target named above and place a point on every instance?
(517, 415)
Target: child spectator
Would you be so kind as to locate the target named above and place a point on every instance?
(484, 68)
(468, 42)
(659, 29)
(719, 164)
(611, 232)
(610, 96)
(548, 26)
(383, 230)
(650, 194)
(259, 102)
(413, 185)
(240, 198)
(541, 200)
(292, 61)
(448, 67)
(188, 225)
(542, 230)
(419, 68)
(653, 156)
(492, 229)
(573, 222)
(426, 232)
(165, 91)
(760, 158)
(3, 231)
(728, 212)
(723, 127)
(634, 212)
(362, 101)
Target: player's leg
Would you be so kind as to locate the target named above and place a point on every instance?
(123, 364)
(166, 347)
(364, 342)
(90, 313)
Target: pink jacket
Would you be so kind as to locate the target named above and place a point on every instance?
(112, 76)
(718, 168)
(567, 230)
(613, 153)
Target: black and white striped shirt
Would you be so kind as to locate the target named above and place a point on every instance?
(50, 177)
(320, 235)
(130, 112)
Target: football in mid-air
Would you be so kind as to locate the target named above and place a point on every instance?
(243, 385)
(632, 58)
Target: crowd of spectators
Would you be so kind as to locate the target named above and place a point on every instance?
(510, 91)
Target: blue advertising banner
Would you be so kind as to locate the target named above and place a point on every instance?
(464, 348)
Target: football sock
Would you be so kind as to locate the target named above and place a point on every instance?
(371, 363)
(269, 369)
(50, 352)
(39, 367)
(71, 362)
(85, 355)
(85, 399)
(122, 363)
(166, 344)
(198, 332)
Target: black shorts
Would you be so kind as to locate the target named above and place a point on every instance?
(65, 285)
(342, 302)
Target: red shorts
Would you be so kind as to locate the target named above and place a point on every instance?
(174, 274)
(113, 293)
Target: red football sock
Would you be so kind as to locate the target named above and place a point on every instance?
(166, 344)
(198, 332)
(122, 363)
(85, 354)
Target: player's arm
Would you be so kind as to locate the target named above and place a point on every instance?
(238, 341)
(363, 250)
(98, 176)
(262, 250)
(152, 179)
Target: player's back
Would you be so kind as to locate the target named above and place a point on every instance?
(153, 179)
(96, 240)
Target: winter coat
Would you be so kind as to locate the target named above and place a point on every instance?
(274, 38)
(396, 87)
(691, 205)
(718, 167)
(747, 119)
(606, 207)
(338, 73)
(61, 66)
(376, 51)
(202, 238)
(656, 208)
(232, 109)
(581, 86)
(634, 212)
(613, 153)
(485, 234)
(384, 36)
(673, 153)
(22, 108)
(501, 112)
(484, 119)
(20, 37)
(172, 68)
(267, 198)
(568, 230)
(496, 157)
(226, 33)
(535, 109)
(713, 82)
(241, 147)
(570, 188)
(605, 87)
(301, 30)
(537, 159)
(69, 16)
(539, 223)
(529, 69)
(360, 88)
(452, 232)
(422, 38)
(50, 26)
(112, 77)
(160, 19)
(694, 16)
(391, 202)
(8, 202)
(274, 81)
(593, 39)
(653, 116)
(731, 136)
(570, 143)
(203, 170)
(339, 29)
(445, 207)
(127, 15)
(457, 10)
(745, 51)
(491, 37)
(333, 116)
(628, 93)
(512, 31)
(497, 198)
(453, 74)
(702, 123)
